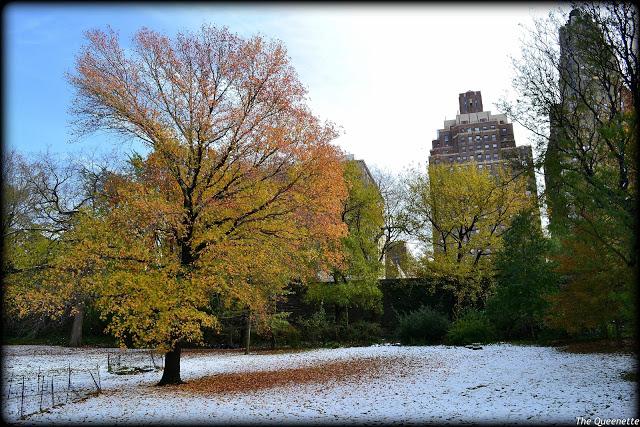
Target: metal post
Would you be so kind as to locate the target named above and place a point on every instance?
(22, 398)
(99, 382)
(41, 392)
(94, 381)
(10, 380)
(53, 402)
(69, 382)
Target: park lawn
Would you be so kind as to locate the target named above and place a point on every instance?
(385, 384)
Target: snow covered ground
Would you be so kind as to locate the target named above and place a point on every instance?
(500, 383)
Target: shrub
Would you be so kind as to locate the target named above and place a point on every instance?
(317, 329)
(362, 332)
(288, 335)
(422, 326)
(472, 327)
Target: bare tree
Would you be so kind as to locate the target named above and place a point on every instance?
(578, 94)
(43, 197)
(394, 193)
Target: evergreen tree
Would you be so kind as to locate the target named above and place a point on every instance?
(525, 276)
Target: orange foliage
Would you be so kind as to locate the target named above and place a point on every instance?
(240, 193)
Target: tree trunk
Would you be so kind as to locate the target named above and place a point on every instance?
(273, 341)
(76, 329)
(247, 334)
(618, 331)
(171, 373)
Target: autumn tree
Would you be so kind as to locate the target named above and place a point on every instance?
(49, 201)
(241, 189)
(354, 282)
(577, 81)
(459, 214)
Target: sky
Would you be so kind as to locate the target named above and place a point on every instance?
(387, 75)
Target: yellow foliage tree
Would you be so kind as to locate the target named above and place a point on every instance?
(461, 212)
(240, 192)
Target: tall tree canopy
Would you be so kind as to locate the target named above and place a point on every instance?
(577, 82)
(48, 212)
(459, 214)
(241, 189)
(355, 281)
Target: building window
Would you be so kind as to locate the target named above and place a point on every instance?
(484, 128)
(493, 126)
(464, 122)
(464, 157)
(479, 156)
(477, 129)
(495, 145)
(477, 138)
(479, 166)
(503, 130)
(495, 156)
(483, 120)
(486, 137)
(493, 137)
(446, 138)
(486, 146)
(487, 156)
(501, 122)
(468, 129)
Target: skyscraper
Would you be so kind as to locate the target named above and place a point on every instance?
(478, 136)
(590, 92)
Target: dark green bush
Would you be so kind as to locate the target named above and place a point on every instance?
(422, 326)
(288, 335)
(472, 327)
(362, 332)
(317, 328)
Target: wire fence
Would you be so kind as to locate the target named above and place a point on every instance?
(132, 361)
(29, 392)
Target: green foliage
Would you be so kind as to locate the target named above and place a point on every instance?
(525, 277)
(355, 293)
(468, 287)
(585, 98)
(284, 333)
(362, 332)
(472, 327)
(317, 328)
(422, 326)
(355, 282)
(363, 214)
(461, 211)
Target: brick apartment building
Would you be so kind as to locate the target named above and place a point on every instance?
(477, 135)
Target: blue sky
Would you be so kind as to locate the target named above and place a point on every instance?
(388, 76)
